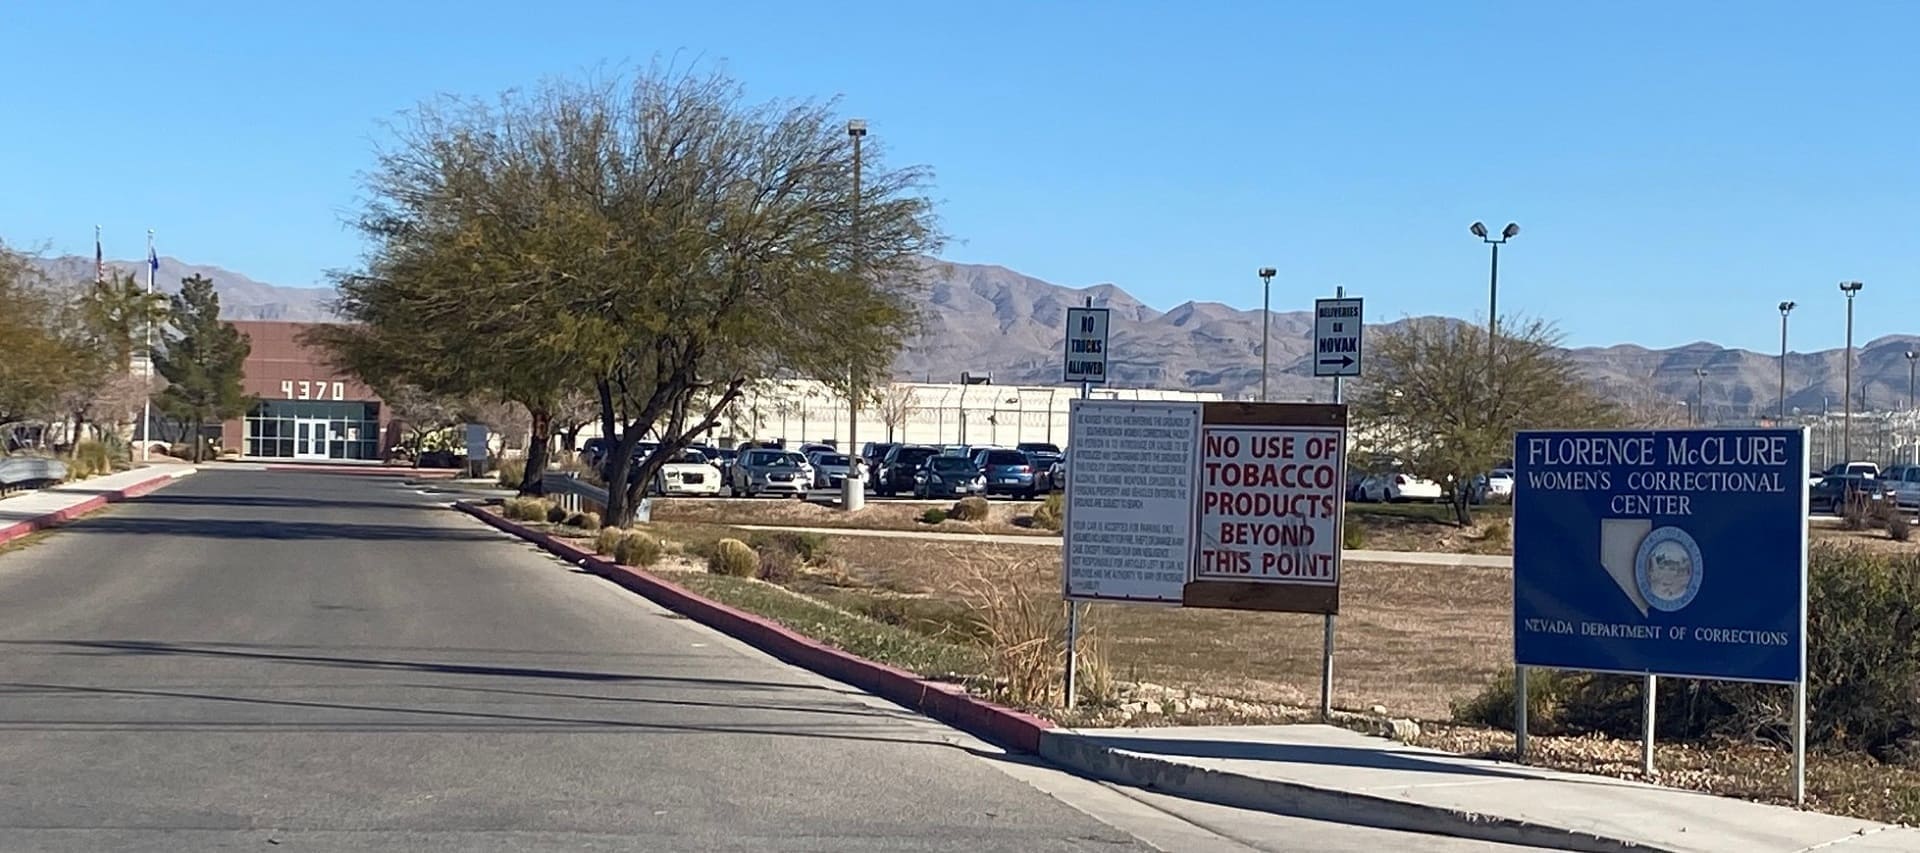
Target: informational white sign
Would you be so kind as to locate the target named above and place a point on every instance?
(477, 442)
(1086, 347)
(1336, 337)
(1128, 530)
(1270, 504)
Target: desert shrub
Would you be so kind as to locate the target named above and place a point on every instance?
(734, 557)
(1493, 705)
(90, 459)
(1853, 514)
(524, 509)
(1899, 529)
(556, 515)
(607, 540)
(588, 521)
(1353, 535)
(1051, 513)
(1498, 532)
(635, 548)
(805, 547)
(933, 515)
(778, 565)
(510, 473)
(969, 509)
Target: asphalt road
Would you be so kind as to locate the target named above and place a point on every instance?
(290, 661)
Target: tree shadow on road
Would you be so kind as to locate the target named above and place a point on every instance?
(226, 528)
(282, 501)
(154, 647)
(875, 728)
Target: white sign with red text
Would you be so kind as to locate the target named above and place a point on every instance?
(1269, 504)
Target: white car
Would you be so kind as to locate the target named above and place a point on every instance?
(688, 474)
(1500, 483)
(1384, 488)
(830, 468)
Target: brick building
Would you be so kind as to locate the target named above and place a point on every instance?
(303, 409)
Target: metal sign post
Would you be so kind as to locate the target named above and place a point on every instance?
(1086, 359)
(1344, 322)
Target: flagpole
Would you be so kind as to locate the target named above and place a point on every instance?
(146, 403)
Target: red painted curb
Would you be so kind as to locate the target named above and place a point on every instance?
(944, 702)
(62, 516)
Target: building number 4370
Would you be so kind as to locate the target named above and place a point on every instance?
(314, 390)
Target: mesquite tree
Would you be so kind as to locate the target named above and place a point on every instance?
(656, 243)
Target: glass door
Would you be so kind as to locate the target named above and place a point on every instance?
(309, 438)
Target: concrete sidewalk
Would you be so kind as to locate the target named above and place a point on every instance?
(1414, 558)
(1330, 773)
(30, 511)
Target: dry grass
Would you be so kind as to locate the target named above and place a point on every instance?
(1839, 783)
(1411, 638)
(1009, 517)
(1874, 539)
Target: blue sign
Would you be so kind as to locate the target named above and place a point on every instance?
(1672, 552)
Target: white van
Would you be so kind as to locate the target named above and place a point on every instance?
(1905, 482)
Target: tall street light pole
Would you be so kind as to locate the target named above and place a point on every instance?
(1266, 312)
(1846, 418)
(1493, 275)
(1699, 395)
(1911, 356)
(853, 489)
(1785, 309)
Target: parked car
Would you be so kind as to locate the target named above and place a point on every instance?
(830, 469)
(1500, 483)
(1043, 454)
(957, 450)
(1905, 482)
(1831, 494)
(1392, 486)
(874, 451)
(593, 453)
(688, 473)
(894, 474)
(1057, 476)
(1008, 472)
(942, 476)
(1865, 469)
(769, 472)
(810, 448)
(723, 459)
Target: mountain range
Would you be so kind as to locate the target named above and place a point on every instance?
(984, 319)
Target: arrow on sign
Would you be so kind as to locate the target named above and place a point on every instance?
(1343, 361)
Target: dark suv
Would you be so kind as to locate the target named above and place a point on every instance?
(894, 474)
(1008, 472)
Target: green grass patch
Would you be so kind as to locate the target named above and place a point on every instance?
(894, 645)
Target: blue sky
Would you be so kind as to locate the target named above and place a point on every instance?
(1678, 169)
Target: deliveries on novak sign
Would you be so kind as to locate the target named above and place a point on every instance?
(1270, 504)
